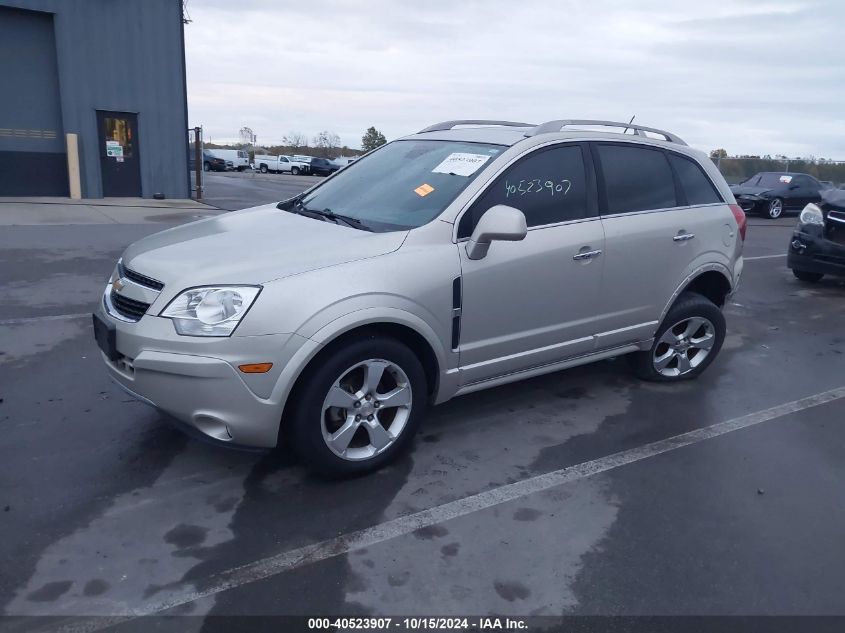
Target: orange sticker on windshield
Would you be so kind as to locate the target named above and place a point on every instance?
(423, 190)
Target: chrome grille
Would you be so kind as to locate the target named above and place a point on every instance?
(138, 278)
(128, 308)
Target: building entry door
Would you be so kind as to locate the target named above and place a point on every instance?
(119, 165)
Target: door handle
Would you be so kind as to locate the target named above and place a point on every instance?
(683, 237)
(586, 255)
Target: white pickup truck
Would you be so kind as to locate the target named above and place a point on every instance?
(283, 164)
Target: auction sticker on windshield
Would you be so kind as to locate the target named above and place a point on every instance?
(461, 164)
(424, 189)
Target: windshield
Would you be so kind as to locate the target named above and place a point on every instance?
(404, 184)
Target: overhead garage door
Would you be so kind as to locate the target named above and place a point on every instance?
(32, 147)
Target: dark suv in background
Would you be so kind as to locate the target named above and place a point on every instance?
(322, 167)
(818, 243)
(770, 193)
(209, 162)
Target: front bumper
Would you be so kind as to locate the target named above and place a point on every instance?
(752, 204)
(197, 381)
(810, 251)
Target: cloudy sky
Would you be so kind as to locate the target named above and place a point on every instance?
(752, 76)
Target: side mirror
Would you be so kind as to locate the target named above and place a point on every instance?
(500, 222)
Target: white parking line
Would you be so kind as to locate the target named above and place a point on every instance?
(750, 259)
(345, 543)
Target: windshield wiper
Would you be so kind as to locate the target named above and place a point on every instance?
(355, 223)
(328, 215)
(337, 218)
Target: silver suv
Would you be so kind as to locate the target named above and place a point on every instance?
(467, 256)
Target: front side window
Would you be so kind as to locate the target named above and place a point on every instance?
(696, 185)
(548, 186)
(403, 184)
(636, 179)
(805, 182)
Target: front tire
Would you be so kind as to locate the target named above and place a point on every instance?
(357, 408)
(805, 275)
(687, 341)
(775, 209)
(206, 167)
(295, 171)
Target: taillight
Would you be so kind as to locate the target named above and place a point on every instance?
(741, 221)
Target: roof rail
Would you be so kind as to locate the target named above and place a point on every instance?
(448, 125)
(556, 126)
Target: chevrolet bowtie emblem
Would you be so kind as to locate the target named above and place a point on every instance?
(117, 284)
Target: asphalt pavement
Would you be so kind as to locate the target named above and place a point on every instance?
(580, 492)
(238, 190)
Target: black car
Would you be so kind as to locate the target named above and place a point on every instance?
(209, 162)
(770, 193)
(818, 243)
(323, 167)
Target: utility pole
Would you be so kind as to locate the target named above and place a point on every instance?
(198, 159)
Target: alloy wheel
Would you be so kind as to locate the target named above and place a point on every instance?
(775, 208)
(683, 347)
(366, 409)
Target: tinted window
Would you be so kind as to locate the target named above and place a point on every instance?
(805, 182)
(636, 179)
(694, 182)
(548, 186)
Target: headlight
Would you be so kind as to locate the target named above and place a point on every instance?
(811, 215)
(210, 311)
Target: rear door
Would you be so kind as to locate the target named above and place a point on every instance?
(533, 302)
(660, 213)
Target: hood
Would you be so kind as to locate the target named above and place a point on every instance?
(834, 199)
(252, 246)
(739, 190)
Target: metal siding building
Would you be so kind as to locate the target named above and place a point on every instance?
(111, 72)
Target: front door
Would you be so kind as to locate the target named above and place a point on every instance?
(533, 302)
(802, 191)
(119, 163)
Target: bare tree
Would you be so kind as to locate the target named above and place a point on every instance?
(295, 140)
(247, 136)
(327, 143)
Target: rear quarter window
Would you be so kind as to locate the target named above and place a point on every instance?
(636, 179)
(698, 188)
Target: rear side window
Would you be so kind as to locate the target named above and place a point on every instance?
(636, 179)
(548, 186)
(696, 185)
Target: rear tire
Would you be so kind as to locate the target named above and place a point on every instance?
(263, 169)
(805, 275)
(358, 377)
(687, 341)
